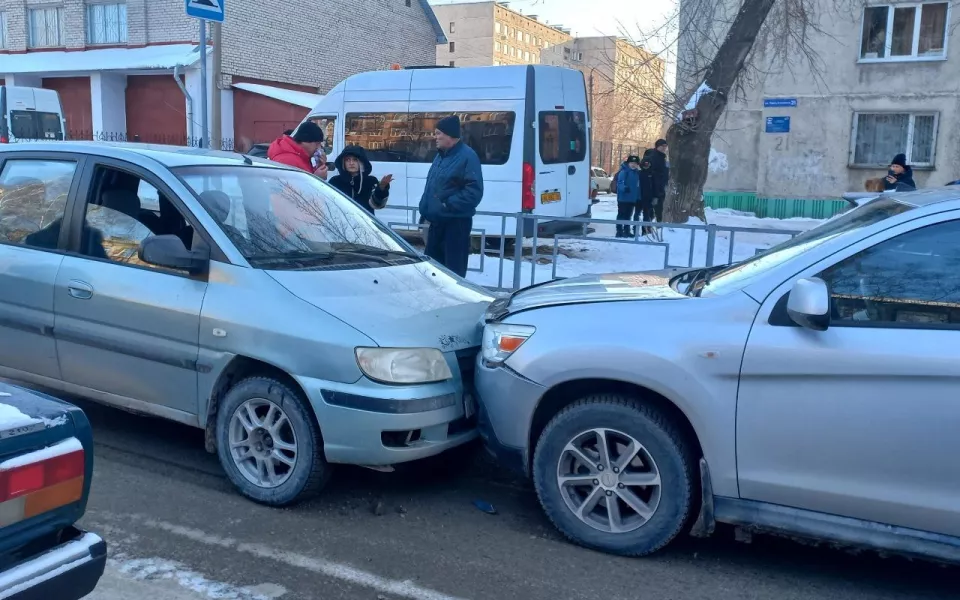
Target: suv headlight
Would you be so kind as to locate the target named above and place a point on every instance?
(501, 340)
(403, 365)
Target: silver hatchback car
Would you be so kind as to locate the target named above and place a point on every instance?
(811, 390)
(235, 295)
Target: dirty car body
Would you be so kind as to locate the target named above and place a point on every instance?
(46, 463)
(245, 298)
(761, 394)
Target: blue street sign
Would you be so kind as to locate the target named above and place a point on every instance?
(779, 102)
(778, 124)
(211, 10)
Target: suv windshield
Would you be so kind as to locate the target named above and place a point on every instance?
(738, 275)
(280, 219)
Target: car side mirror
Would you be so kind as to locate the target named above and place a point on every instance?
(809, 304)
(168, 251)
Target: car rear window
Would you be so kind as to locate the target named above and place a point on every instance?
(563, 136)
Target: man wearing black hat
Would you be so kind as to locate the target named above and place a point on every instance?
(660, 175)
(298, 149)
(900, 175)
(452, 192)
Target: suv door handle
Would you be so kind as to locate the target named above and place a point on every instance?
(80, 290)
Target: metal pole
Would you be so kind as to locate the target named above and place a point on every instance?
(518, 252)
(204, 122)
(215, 112)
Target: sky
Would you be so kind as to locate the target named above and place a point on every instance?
(634, 19)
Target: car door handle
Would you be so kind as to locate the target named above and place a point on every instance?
(80, 290)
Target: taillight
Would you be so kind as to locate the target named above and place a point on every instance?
(41, 481)
(4, 140)
(528, 187)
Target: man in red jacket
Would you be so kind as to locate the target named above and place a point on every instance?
(298, 149)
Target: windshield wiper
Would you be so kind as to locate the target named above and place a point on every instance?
(374, 251)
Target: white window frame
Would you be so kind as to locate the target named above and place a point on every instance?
(497, 27)
(908, 145)
(61, 29)
(3, 30)
(888, 40)
(123, 27)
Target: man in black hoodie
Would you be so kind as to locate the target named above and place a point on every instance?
(660, 174)
(900, 175)
(354, 180)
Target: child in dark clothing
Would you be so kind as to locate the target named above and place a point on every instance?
(354, 180)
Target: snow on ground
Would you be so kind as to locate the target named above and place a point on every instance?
(603, 253)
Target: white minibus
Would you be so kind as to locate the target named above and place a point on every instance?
(30, 114)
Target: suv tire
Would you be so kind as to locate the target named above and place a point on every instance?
(664, 456)
(294, 428)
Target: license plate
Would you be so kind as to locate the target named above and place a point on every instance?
(469, 405)
(548, 197)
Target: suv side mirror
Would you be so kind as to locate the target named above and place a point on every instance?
(808, 304)
(168, 251)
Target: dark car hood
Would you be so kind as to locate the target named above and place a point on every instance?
(614, 287)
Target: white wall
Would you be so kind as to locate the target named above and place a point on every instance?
(226, 114)
(194, 88)
(109, 103)
(24, 80)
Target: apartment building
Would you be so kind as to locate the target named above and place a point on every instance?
(490, 33)
(626, 88)
(887, 85)
(113, 61)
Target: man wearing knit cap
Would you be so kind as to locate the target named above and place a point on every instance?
(452, 192)
(298, 149)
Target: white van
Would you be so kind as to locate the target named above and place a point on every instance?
(30, 114)
(529, 125)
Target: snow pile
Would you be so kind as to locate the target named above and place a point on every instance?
(105, 59)
(11, 417)
(158, 569)
(718, 162)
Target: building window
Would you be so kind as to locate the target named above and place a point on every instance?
(408, 3)
(519, 36)
(107, 23)
(453, 46)
(498, 27)
(46, 27)
(497, 47)
(526, 38)
(526, 56)
(453, 63)
(453, 27)
(913, 31)
(3, 30)
(878, 137)
(546, 45)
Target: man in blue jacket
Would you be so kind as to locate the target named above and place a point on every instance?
(628, 195)
(453, 190)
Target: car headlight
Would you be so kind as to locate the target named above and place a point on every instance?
(501, 340)
(403, 365)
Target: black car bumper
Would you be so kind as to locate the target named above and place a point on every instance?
(68, 571)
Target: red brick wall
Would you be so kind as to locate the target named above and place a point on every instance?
(75, 100)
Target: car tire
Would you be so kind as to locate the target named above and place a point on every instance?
(665, 455)
(309, 472)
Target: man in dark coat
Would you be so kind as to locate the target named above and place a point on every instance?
(660, 175)
(628, 195)
(900, 175)
(354, 180)
(452, 192)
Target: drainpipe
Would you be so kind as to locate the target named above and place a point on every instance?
(176, 75)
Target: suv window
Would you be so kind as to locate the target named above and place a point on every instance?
(33, 197)
(563, 136)
(910, 280)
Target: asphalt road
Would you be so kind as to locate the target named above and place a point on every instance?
(178, 531)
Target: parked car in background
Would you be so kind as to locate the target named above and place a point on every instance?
(603, 181)
(245, 298)
(46, 463)
(807, 391)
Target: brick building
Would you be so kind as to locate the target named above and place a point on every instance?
(113, 61)
(489, 33)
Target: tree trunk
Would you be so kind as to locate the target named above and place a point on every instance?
(689, 139)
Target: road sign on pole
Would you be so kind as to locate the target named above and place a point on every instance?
(211, 10)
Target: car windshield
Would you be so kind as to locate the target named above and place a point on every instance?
(281, 219)
(738, 275)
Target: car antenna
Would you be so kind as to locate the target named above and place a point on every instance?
(247, 160)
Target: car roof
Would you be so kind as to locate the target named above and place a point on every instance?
(169, 156)
(928, 196)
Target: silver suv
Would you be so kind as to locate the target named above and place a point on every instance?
(234, 295)
(810, 390)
